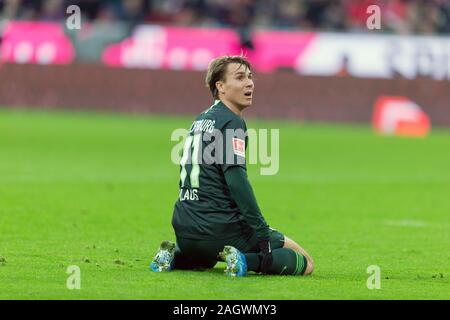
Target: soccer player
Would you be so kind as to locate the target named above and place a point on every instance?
(216, 217)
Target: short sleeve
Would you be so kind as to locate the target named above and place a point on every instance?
(234, 135)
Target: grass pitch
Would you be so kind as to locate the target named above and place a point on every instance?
(97, 191)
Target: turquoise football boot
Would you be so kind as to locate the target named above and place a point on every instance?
(164, 257)
(236, 262)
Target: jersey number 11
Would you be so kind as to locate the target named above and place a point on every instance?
(191, 151)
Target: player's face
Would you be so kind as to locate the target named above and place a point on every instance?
(238, 86)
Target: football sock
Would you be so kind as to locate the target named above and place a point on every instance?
(253, 261)
(285, 261)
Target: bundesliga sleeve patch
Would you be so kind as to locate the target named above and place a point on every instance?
(239, 147)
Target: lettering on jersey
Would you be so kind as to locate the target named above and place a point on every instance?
(214, 147)
(204, 125)
(188, 194)
(239, 147)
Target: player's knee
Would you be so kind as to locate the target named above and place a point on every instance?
(309, 267)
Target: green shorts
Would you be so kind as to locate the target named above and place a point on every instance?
(194, 253)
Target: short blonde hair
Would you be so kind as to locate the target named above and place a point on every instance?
(217, 68)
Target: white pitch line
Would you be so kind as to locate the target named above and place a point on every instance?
(406, 223)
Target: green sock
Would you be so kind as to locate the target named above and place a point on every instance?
(285, 261)
(253, 261)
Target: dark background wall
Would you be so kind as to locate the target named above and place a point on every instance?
(279, 95)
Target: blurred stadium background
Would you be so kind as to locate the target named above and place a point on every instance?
(97, 189)
(306, 54)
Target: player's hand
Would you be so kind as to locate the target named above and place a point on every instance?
(266, 251)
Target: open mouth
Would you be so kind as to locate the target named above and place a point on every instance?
(248, 94)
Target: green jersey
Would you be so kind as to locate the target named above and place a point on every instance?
(217, 140)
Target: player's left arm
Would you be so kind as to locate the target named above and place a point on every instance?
(242, 193)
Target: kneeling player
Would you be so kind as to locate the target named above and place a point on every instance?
(216, 216)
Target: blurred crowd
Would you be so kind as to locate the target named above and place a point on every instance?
(397, 16)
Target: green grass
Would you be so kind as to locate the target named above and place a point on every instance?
(97, 191)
